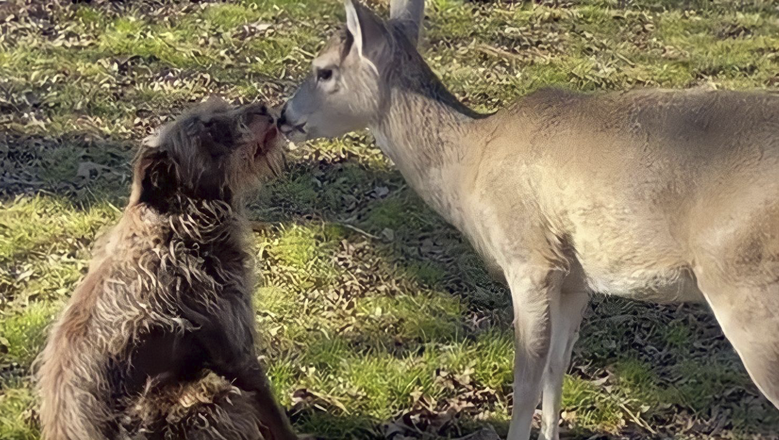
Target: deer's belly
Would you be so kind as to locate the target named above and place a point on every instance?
(667, 284)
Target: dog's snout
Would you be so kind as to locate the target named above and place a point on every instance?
(257, 116)
(283, 116)
(259, 110)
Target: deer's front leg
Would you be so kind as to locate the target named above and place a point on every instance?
(532, 287)
(567, 310)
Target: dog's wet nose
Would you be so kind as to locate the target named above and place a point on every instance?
(283, 117)
(258, 109)
(262, 118)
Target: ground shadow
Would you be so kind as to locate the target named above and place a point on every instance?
(743, 6)
(672, 357)
(78, 166)
(417, 424)
(675, 358)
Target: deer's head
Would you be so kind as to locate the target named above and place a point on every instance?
(348, 82)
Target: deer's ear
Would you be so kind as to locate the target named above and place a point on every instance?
(408, 15)
(370, 36)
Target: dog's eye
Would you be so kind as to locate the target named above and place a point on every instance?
(324, 74)
(220, 131)
(260, 110)
(218, 137)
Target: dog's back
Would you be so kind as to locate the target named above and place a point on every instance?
(168, 298)
(71, 371)
(110, 311)
(117, 351)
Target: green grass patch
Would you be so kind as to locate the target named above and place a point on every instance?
(593, 407)
(366, 298)
(25, 332)
(228, 16)
(17, 404)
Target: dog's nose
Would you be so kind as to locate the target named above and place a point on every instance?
(260, 115)
(283, 117)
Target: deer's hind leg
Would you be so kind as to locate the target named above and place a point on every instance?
(750, 319)
(740, 281)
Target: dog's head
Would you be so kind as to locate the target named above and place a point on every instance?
(213, 152)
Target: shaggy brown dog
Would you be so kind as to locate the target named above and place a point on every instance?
(158, 340)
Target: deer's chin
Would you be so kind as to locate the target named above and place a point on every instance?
(297, 136)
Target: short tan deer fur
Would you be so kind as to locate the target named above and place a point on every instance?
(653, 194)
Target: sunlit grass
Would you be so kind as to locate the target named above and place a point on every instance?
(365, 297)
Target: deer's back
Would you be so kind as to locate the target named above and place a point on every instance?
(629, 180)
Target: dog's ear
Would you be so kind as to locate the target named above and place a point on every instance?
(156, 178)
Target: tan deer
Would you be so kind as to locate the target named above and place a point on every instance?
(655, 194)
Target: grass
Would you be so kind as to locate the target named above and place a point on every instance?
(369, 306)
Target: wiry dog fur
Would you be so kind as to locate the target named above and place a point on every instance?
(167, 299)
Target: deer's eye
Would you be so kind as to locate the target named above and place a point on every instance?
(324, 74)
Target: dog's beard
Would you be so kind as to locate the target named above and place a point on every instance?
(269, 158)
(275, 160)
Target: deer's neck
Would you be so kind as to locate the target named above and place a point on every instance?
(425, 133)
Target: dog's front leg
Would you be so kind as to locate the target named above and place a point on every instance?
(276, 425)
(238, 363)
(532, 287)
(228, 339)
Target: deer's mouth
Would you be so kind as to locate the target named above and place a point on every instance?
(294, 131)
(290, 129)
